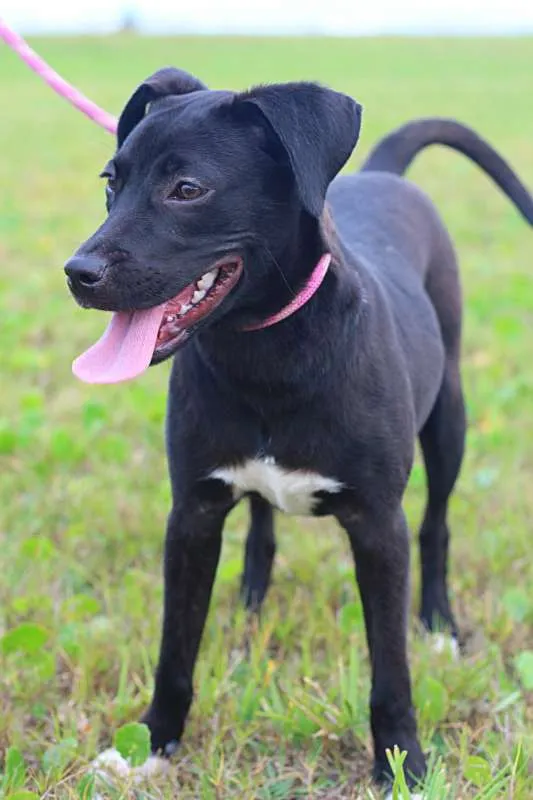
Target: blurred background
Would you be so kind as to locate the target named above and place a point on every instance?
(84, 492)
(335, 17)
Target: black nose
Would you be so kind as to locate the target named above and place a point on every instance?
(85, 270)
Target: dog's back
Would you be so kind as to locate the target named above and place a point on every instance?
(377, 205)
(384, 219)
(391, 231)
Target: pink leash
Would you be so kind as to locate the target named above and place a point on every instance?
(50, 76)
(107, 121)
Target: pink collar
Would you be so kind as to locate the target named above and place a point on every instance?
(313, 284)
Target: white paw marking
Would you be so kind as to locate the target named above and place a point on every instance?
(110, 761)
(292, 491)
(443, 643)
(110, 765)
(416, 796)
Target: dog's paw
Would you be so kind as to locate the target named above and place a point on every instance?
(445, 643)
(165, 734)
(112, 770)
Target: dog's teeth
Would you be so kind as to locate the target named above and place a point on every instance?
(197, 296)
(170, 318)
(207, 280)
(185, 307)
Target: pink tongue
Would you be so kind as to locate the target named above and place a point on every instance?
(124, 351)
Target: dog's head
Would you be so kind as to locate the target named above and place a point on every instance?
(204, 194)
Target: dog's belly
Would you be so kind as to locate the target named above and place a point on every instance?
(293, 491)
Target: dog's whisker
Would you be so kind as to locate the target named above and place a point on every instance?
(279, 268)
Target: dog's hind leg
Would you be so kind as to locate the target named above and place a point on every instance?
(259, 553)
(442, 439)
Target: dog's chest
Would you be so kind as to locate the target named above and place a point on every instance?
(293, 491)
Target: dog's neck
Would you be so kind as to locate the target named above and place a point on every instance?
(286, 353)
(327, 240)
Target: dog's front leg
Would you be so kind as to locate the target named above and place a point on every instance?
(192, 549)
(380, 546)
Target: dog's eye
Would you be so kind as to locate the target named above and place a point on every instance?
(186, 190)
(111, 184)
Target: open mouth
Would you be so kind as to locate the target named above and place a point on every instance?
(197, 301)
(135, 339)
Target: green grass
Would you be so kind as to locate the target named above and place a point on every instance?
(281, 709)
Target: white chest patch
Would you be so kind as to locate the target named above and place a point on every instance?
(290, 491)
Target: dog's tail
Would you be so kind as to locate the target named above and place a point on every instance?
(396, 151)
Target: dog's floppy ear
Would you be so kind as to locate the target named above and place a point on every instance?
(164, 82)
(317, 127)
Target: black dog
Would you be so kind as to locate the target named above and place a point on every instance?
(216, 220)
